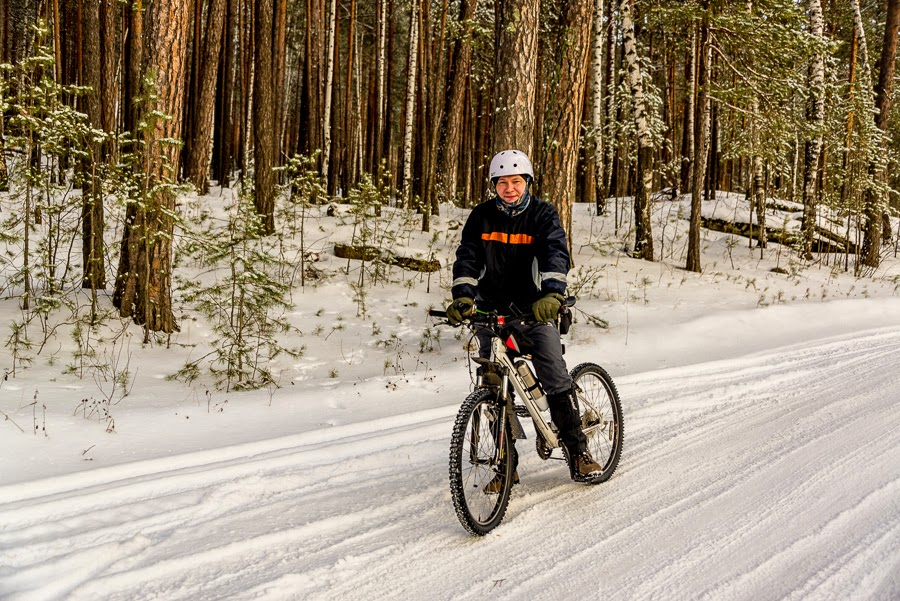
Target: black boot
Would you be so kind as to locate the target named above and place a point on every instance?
(564, 411)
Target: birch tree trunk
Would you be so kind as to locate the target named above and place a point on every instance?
(875, 201)
(329, 89)
(816, 118)
(410, 104)
(513, 118)
(701, 142)
(565, 111)
(759, 191)
(758, 179)
(381, 36)
(643, 239)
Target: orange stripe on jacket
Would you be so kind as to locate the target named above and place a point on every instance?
(507, 238)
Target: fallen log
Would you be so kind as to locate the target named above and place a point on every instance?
(361, 252)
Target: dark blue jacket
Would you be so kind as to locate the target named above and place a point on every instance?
(504, 261)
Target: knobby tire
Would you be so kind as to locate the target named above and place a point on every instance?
(473, 453)
(601, 416)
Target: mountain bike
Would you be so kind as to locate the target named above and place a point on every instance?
(482, 453)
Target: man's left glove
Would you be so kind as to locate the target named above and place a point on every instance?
(547, 308)
(459, 310)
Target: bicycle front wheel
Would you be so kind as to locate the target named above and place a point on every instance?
(601, 416)
(480, 463)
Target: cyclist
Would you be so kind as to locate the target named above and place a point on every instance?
(512, 257)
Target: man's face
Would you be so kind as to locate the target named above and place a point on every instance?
(510, 188)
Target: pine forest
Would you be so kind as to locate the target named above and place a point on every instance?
(113, 113)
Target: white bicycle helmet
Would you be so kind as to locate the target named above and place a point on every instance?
(510, 162)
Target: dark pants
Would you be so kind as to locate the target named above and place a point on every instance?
(541, 341)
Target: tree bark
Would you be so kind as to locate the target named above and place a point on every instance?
(134, 64)
(264, 118)
(643, 239)
(701, 142)
(380, 70)
(329, 89)
(875, 202)
(513, 123)
(597, 104)
(565, 110)
(816, 118)
(410, 104)
(210, 49)
(144, 280)
(452, 131)
(687, 132)
(92, 217)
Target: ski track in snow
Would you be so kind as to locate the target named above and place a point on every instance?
(772, 476)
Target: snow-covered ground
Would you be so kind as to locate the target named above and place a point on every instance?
(761, 457)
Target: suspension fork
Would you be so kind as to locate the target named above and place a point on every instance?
(502, 399)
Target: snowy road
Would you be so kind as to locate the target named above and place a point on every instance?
(772, 476)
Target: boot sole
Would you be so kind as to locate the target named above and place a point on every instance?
(592, 478)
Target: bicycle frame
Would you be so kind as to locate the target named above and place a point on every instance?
(510, 374)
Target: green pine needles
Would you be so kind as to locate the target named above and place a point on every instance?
(245, 298)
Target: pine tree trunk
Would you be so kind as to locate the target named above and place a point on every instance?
(816, 118)
(228, 98)
(701, 143)
(437, 87)
(687, 131)
(279, 59)
(144, 281)
(264, 117)
(133, 60)
(108, 87)
(452, 132)
(875, 202)
(643, 243)
(347, 173)
(314, 18)
(565, 111)
(198, 158)
(513, 123)
(92, 201)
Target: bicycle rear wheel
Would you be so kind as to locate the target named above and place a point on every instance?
(601, 416)
(480, 463)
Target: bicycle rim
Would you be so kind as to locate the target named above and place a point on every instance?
(479, 455)
(601, 416)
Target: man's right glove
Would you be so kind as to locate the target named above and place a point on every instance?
(459, 310)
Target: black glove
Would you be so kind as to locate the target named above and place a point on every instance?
(459, 310)
(547, 308)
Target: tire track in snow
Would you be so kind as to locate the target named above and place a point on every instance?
(720, 460)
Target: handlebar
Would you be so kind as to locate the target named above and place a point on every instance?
(492, 318)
